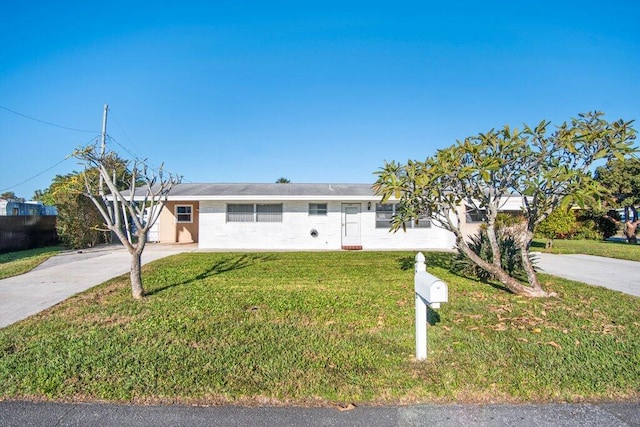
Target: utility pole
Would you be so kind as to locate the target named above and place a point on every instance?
(104, 130)
(103, 140)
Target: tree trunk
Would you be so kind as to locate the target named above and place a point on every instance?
(137, 291)
(532, 277)
(522, 236)
(502, 276)
(495, 246)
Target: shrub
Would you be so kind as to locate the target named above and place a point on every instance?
(510, 254)
(560, 224)
(576, 224)
(603, 227)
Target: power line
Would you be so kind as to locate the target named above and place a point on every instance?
(131, 153)
(45, 122)
(121, 128)
(139, 159)
(135, 156)
(46, 170)
(35, 176)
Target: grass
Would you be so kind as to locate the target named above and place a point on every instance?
(321, 329)
(16, 263)
(610, 249)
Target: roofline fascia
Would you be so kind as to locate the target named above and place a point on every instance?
(282, 198)
(273, 197)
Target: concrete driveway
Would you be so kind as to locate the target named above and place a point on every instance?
(616, 274)
(67, 274)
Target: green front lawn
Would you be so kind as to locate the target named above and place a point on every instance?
(610, 249)
(321, 328)
(15, 263)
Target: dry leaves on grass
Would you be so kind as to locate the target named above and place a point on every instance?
(554, 344)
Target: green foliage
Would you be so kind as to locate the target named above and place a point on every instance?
(607, 226)
(79, 223)
(560, 224)
(577, 224)
(587, 230)
(510, 255)
(593, 226)
(622, 179)
(321, 328)
(9, 195)
(552, 169)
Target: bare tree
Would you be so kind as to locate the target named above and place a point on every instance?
(141, 203)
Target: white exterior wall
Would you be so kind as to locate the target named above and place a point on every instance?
(413, 238)
(294, 232)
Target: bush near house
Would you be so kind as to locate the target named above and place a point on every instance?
(576, 224)
(560, 224)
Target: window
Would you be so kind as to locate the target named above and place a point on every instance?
(475, 215)
(254, 213)
(423, 222)
(184, 213)
(317, 208)
(384, 213)
(239, 213)
(269, 213)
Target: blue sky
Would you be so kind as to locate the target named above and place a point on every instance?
(319, 92)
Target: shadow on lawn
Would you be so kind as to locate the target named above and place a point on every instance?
(445, 260)
(222, 266)
(433, 259)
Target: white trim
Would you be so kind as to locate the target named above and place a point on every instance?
(284, 198)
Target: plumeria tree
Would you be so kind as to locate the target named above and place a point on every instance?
(544, 168)
(141, 202)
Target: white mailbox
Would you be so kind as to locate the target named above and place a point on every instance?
(431, 289)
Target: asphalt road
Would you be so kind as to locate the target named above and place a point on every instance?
(100, 414)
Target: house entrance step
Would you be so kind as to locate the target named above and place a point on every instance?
(352, 248)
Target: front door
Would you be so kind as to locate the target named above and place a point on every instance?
(351, 224)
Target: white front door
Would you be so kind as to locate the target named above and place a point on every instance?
(350, 224)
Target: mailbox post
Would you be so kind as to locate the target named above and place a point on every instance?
(429, 290)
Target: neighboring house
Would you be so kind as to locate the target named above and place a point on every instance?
(26, 225)
(20, 208)
(291, 216)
